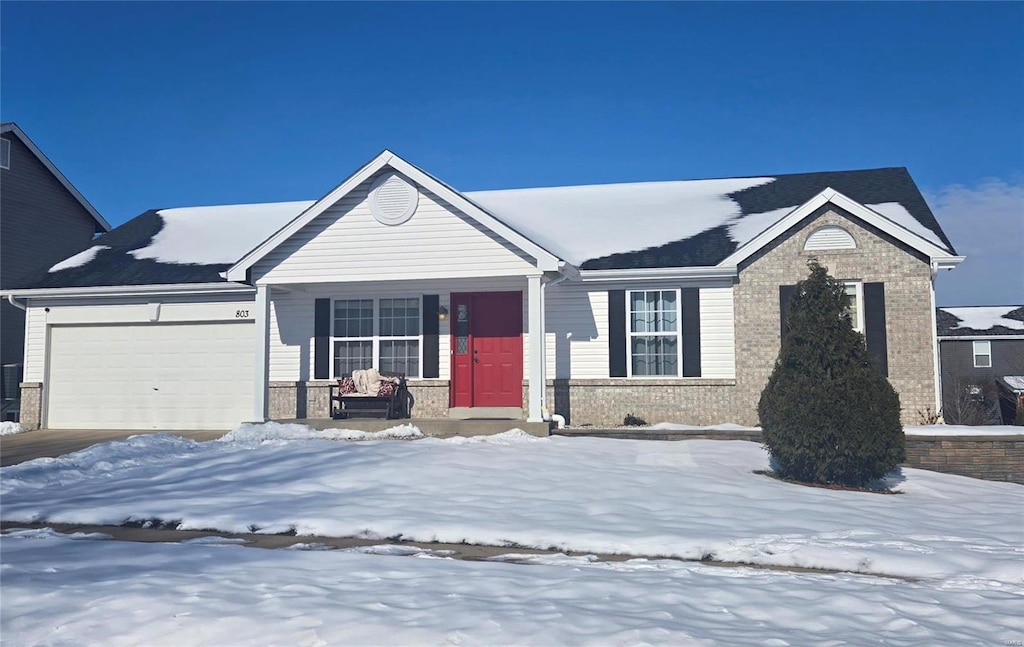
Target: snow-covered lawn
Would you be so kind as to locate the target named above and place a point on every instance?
(962, 538)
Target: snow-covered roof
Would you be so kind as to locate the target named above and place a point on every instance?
(1015, 382)
(610, 226)
(217, 235)
(579, 223)
(980, 321)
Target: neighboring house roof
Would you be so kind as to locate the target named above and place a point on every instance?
(690, 223)
(980, 321)
(12, 128)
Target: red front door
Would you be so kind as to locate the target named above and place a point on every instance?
(487, 349)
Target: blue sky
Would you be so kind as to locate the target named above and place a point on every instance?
(149, 105)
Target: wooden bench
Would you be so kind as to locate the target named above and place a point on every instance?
(360, 405)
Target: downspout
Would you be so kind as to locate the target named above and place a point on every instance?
(558, 419)
(937, 356)
(20, 306)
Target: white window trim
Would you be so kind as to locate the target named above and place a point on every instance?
(859, 285)
(377, 338)
(630, 335)
(987, 345)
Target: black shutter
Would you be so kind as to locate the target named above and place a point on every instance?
(874, 325)
(322, 339)
(431, 339)
(691, 332)
(616, 333)
(785, 296)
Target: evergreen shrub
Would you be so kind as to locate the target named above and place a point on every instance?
(827, 413)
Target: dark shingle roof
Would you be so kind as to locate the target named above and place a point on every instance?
(872, 186)
(116, 266)
(955, 322)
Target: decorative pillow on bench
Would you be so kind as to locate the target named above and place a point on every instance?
(346, 386)
(387, 388)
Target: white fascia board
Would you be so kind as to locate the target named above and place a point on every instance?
(657, 273)
(131, 290)
(237, 272)
(546, 261)
(873, 218)
(948, 262)
(20, 134)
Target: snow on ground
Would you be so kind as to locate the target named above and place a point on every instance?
(985, 317)
(79, 259)
(963, 430)
(578, 223)
(962, 537)
(689, 499)
(217, 235)
(58, 591)
(7, 428)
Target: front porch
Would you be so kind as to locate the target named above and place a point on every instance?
(434, 427)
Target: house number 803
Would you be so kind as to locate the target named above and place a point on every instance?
(241, 314)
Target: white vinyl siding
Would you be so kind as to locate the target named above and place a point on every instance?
(982, 354)
(347, 243)
(167, 376)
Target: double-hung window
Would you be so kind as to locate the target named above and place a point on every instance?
(855, 290)
(654, 330)
(379, 333)
(983, 354)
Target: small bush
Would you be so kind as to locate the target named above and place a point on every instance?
(633, 421)
(828, 415)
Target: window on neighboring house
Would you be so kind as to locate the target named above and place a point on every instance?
(381, 333)
(654, 345)
(982, 354)
(5, 153)
(855, 290)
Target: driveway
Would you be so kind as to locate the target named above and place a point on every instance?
(18, 448)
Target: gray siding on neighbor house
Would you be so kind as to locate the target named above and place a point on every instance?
(956, 358)
(41, 223)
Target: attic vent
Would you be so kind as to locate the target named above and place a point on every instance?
(830, 237)
(5, 153)
(393, 200)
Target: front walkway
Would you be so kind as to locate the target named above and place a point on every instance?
(18, 448)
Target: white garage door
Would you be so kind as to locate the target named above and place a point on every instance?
(155, 376)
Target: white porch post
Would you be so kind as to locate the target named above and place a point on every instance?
(262, 332)
(538, 381)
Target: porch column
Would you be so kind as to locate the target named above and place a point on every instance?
(538, 381)
(261, 312)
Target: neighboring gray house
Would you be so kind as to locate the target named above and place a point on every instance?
(43, 220)
(981, 352)
(660, 299)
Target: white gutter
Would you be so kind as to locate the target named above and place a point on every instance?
(653, 273)
(936, 355)
(20, 306)
(131, 290)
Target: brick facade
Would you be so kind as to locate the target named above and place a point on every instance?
(877, 258)
(290, 400)
(31, 414)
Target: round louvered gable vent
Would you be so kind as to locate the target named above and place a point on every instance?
(393, 200)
